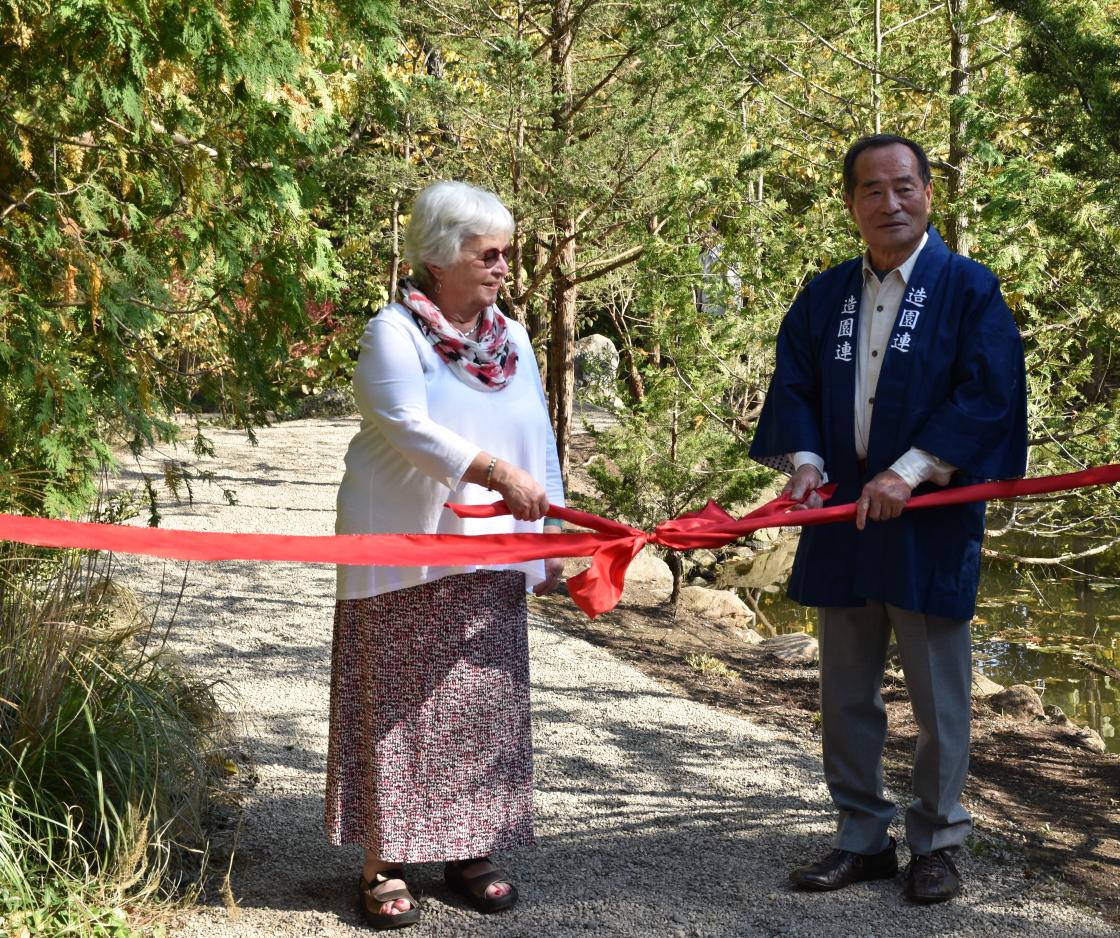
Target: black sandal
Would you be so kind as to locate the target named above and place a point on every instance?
(370, 905)
(473, 888)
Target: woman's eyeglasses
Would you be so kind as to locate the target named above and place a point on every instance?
(490, 258)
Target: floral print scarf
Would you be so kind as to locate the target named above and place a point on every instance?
(485, 363)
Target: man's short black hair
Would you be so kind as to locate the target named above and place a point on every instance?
(881, 140)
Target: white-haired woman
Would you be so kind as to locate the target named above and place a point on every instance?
(430, 757)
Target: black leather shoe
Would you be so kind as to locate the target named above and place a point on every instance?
(932, 877)
(842, 868)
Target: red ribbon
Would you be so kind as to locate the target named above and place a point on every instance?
(598, 588)
(611, 545)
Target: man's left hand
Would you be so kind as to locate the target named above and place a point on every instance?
(882, 498)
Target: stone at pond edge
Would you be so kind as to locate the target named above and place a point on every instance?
(984, 686)
(798, 648)
(1057, 716)
(702, 557)
(764, 569)
(1020, 702)
(1083, 737)
(1086, 737)
(742, 552)
(723, 605)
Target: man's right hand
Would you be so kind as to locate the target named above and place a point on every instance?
(802, 486)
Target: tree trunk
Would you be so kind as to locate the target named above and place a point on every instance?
(561, 361)
(395, 258)
(956, 229)
(433, 65)
(537, 314)
(876, 79)
(673, 559)
(517, 247)
(562, 298)
(629, 355)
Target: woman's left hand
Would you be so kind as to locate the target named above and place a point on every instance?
(553, 574)
(553, 567)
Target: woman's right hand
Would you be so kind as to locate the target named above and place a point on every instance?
(524, 495)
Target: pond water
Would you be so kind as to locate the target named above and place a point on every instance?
(1031, 630)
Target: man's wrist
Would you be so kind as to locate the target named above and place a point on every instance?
(806, 458)
(916, 466)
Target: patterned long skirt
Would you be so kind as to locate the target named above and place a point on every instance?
(430, 753)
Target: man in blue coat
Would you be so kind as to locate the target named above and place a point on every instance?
(897, 373)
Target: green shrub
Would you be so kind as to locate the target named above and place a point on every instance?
(710, 666)
(109, 753)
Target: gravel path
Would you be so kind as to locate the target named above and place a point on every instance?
(655, 815)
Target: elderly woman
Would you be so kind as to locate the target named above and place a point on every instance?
(430, 757)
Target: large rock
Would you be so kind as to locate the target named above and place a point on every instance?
(984, 686)
(651, 573)
(596, 366)
(1088, 738)
(764, 569)
(798, 648)
(1084, 737)
(702, 557)
(723, 605)
(1020, 702)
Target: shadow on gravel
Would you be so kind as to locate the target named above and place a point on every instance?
(718, 872)
(652, 829)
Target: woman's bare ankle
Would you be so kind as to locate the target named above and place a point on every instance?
(373, 866)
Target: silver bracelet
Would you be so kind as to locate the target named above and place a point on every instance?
(490, 471)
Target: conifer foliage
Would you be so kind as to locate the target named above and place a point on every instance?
(156, 247)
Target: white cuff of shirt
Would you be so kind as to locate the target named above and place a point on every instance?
(917, 466)
(800, 459)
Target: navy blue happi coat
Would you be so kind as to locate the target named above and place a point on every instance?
(952, 383)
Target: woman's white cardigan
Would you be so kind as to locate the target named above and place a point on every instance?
(421, 429)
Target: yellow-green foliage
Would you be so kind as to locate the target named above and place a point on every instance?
(157, 246)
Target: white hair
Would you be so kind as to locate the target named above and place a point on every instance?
(443, 216)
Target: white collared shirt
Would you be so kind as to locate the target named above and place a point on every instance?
(878, 311)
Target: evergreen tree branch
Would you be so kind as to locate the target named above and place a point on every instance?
(866, 66)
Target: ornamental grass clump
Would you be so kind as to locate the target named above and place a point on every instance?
(109, 753)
